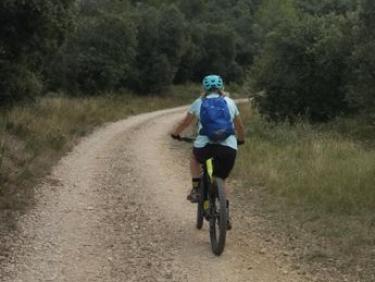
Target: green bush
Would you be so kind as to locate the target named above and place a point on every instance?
(302, 69)
(17, 82)
(161, 45)
(98, 56)
(219, 42)
(30, 31)
(324, 7)
(361, 86)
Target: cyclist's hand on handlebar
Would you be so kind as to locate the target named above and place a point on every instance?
(176, 136)
(240, 142)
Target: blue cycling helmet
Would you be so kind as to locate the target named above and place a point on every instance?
(212, 82)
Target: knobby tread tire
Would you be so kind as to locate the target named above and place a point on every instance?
(200, 217)
(219, 225)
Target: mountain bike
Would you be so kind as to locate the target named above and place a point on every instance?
(212, 205)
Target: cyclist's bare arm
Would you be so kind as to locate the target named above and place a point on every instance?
(240, 129)
(183, 124)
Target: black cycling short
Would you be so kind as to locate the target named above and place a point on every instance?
(224, 158)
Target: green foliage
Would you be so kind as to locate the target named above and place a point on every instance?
(193, 9)
(98, 56)
(142, 45)
(306, 58)
(33, 28)
(172, 28)
(361, 87)
(303, 67)
(324, 7)
(161, 45)
(247, 44)
(271, 14)
(316, 59)
(219, 41)
(17, 82)
(30, 31)
(193, 55)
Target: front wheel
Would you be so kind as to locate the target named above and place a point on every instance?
(218, 217)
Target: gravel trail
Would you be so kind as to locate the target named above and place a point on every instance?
(115, 209)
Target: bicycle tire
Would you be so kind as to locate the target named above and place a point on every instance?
(200, 211)
(218, 217)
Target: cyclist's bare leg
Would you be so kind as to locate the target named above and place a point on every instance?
(226, 189)
(195, 167)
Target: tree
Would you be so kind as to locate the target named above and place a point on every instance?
(193, 9)
(172, 37)
(325, 7)
(219, 45)
(302, 69)
(30, 31)
(361, 86)
(99, 56)
(161, 45)
(194, 53)
(229, 24)
(271, 14)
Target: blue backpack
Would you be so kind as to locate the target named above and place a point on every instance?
(215, 118)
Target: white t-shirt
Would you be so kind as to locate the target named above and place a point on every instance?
(201, 141)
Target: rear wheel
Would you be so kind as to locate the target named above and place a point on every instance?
(200, 211)
(218, 217)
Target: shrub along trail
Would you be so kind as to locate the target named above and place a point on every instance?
(114, 209)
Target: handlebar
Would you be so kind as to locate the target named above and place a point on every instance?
(187, 139)
(183, 138)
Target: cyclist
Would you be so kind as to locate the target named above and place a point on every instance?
(222, 151)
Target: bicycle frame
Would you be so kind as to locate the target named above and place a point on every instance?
(212, 205)
(210, 168)
(207, 176)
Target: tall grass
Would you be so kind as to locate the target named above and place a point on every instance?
(314, 184)
(33, 137)
(325, 167)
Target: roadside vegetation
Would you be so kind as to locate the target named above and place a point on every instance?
(33, 137)
(300, 57)
(317, 182)
(330, 167)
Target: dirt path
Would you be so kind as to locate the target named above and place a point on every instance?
(114, 210)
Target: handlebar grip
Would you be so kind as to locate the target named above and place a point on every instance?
(176, 137)
(188, 139)
(240, 142)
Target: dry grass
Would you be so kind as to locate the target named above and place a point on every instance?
(315, 166)
(318, 183)
(34, 137)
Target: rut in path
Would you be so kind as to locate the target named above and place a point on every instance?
(114, 210)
